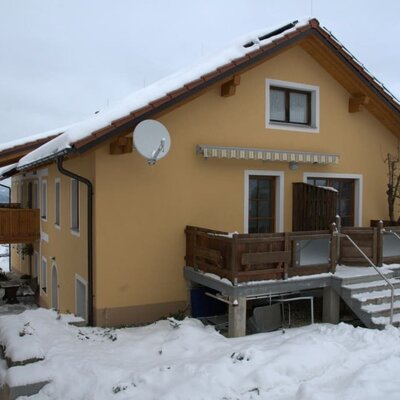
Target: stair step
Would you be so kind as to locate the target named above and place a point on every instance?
(371, 286)
(376, 297)
(364, 278)
(382, 321)
(381, 310)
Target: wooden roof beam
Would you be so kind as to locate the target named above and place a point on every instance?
(356, 101)
(121, 145)
(229, 88)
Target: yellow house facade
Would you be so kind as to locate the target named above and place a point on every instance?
(311, 114)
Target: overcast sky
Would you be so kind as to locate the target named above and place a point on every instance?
(62, 60)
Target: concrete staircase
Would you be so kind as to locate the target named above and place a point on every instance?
(369, 297)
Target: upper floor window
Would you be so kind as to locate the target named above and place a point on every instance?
(74, 205)
(43, 203)
(57, 208)
(292, 106)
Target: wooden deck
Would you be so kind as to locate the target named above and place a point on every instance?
(19, 225)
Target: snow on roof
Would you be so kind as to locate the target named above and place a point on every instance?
(30, 139)
(243, 45)
(6, 169)
(142, 97)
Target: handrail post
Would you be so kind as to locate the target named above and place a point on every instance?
(380, 243)
(233, 261)
(338, 223)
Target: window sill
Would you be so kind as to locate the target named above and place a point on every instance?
(57, 226)
(75, 232)
(292, 127)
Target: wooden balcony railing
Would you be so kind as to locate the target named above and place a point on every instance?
(251, 257)
(19, 225)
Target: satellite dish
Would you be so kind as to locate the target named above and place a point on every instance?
(151, 139)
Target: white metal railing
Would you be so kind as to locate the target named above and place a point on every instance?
(390, 232)
(336, 232)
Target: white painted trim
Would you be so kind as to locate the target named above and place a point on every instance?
(315, 106)
(54, 266)
(44, 236)
(358, 189)
(75, 232)
(41, 278)
(84, 282)
(279, 199)
(58, 226)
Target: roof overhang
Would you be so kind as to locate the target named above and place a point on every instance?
(245, 153)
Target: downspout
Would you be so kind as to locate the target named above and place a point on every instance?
(89, 185)
(9, 244)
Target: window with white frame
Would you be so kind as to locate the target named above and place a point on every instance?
(80, 297)
(74, 205)
(43, 275)
(43, 202)
(292, 106)
(57, 206)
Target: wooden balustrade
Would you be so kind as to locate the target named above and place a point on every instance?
(252, 257)
(19, 225)
(249, 257)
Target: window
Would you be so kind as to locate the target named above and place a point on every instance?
(80, 297)
(261, 204)
(57, 208)
(346, 196)
(292, 106)
(75, 205)
(43, 275)
(43, 204)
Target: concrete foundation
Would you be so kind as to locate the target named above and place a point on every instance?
(237, 317)
(331, 306)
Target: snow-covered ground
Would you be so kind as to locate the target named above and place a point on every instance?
(173, 360)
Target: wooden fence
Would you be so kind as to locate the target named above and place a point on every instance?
(249, 257)
(19, 225)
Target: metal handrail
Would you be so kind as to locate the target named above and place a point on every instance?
(376, 269)
(391, 233)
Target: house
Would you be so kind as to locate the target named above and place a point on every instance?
(279, 107)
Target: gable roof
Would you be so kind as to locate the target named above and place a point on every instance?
(13, 151)
(246, 53)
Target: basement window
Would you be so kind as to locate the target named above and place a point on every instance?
(292, 106)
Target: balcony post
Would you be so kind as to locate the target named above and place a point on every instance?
(237, 316)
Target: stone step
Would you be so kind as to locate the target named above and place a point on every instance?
(381, 310)
(376, 297)
(383, 321)
(364, 278)
(371, 286)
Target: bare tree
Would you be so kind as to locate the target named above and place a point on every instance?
(393, 192)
